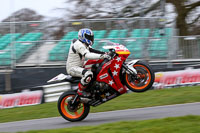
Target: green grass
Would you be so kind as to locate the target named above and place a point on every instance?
(186, 124)
(126, 101)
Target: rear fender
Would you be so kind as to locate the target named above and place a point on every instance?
(59, 77)
(130, 65)
(132, 62)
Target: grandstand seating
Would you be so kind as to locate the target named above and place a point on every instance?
(113, 36)
(22, 46)
(138, 40)
(100, 34)
(136, 46)
(60, 51)
(158, 47)
(6, 39)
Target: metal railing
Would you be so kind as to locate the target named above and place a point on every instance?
(149, 48)
(173, 47)
(65, 26)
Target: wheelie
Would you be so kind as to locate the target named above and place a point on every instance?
(101, 79)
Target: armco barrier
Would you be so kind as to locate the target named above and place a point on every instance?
(170, 79)
(53, 91)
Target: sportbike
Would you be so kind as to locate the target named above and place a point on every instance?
(112, 78)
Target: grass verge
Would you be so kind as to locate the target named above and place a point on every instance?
(126, 101)
(186, 124)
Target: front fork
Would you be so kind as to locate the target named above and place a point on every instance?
(75, 100)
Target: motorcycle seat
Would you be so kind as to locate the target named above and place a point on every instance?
(72, 79)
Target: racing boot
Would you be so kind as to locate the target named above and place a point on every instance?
(81, 91)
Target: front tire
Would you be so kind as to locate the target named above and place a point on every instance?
(145, 78)
(70, 112)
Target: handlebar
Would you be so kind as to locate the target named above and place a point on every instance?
(101, 64)
(112, 53)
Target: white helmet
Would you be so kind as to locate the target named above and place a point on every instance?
(86, 36)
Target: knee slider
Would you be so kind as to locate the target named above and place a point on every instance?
(88, 76)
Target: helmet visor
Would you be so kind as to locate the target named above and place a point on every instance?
(89, 37)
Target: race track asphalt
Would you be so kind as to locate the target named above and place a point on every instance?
(104, 117)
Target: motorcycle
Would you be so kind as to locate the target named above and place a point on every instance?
(112, 78)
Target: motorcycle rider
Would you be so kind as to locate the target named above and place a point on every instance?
(79, 50)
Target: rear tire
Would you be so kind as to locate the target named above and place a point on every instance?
(78, 113)
(145, 81)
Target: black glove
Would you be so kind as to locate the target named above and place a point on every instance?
(105, 56)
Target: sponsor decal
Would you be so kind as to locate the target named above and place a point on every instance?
(21, 99)
(104, 76)
(177, 78)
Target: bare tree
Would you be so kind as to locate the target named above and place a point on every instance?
(187, 20)
(109, 8)
(24, 14)
(184, 10)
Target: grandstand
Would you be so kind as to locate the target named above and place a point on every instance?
(59, 52)
(157, 47)
(21, 43)
(38, 45)
(135, 40)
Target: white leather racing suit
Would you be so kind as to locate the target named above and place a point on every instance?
(77, 53)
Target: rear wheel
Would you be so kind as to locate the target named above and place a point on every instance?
(75, 112)
(143, 81)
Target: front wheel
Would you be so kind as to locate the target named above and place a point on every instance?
(143, 81)
(69, 111)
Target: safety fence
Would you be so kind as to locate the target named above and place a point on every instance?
(55, 52)
(40, 43)
(32, 42)
(52, 92)
(48, 27)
